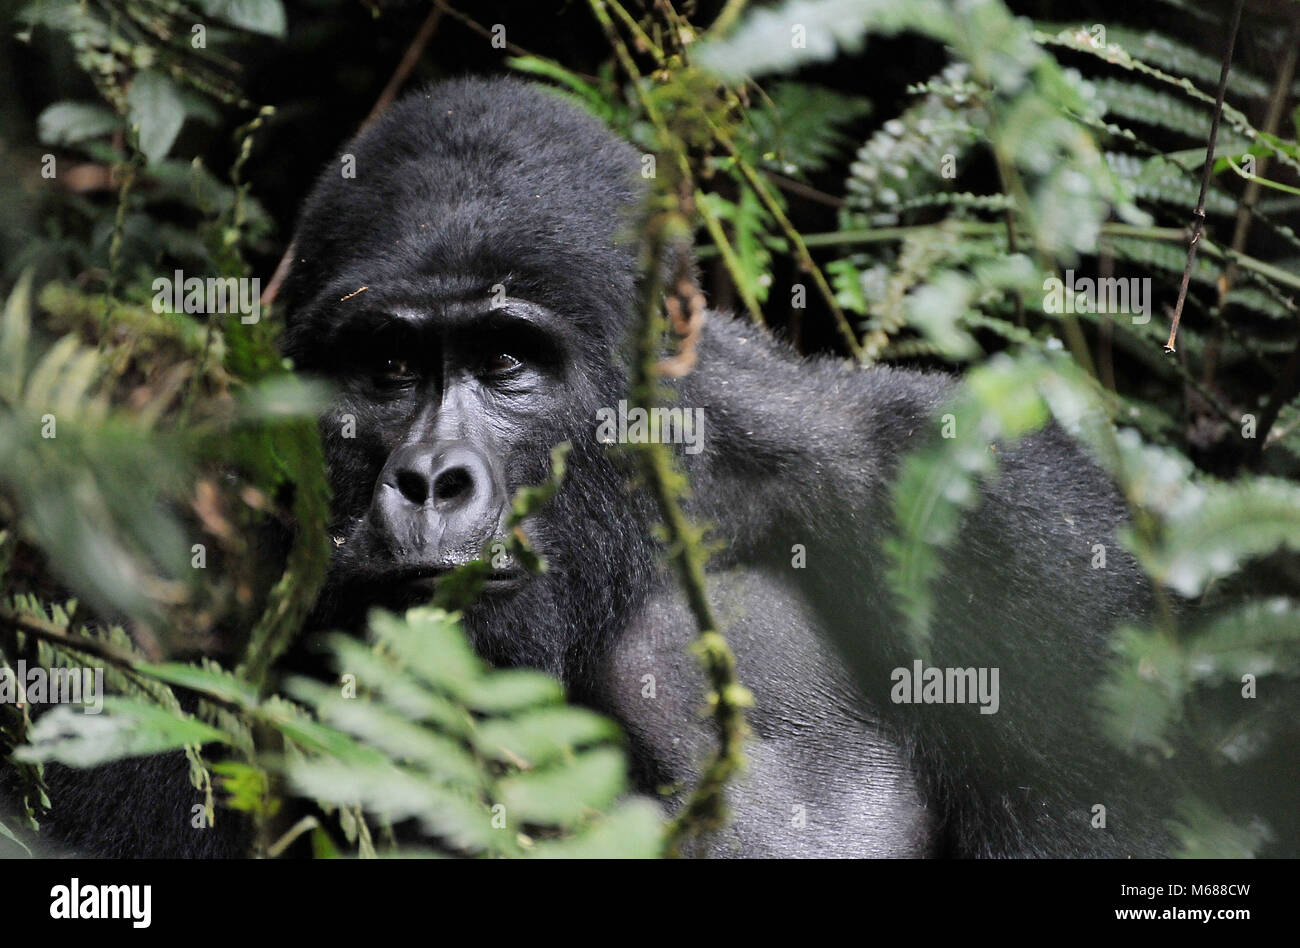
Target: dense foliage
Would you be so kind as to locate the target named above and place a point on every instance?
(1014, 156)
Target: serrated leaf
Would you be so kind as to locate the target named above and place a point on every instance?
(127, 728)
(1230, 524)
(438, 755)
(538, 737)
(566, 795)
(209, 681)
(430, 642)
(633, 830)
(395, 794)
(511, 690)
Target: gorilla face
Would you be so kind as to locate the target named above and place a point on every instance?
(454, 397)
(466, 293)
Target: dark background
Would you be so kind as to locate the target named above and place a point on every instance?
(324, 77)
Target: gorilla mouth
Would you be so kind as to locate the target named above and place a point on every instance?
(426, 579)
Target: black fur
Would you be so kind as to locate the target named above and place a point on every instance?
(474, 183)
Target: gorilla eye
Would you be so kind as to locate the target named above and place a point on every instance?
(394, 368)
(503, 363)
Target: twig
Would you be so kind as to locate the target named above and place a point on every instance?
(41, 629)
(719, 235)
(633, 27)
(386, 97)
(514, 48)
(704, 809)
(284, 842)
(128, 662)
(1245, 209)
(796, 239)
(127, 169)
(727, 18)
(1276, 108)
(803, 190)
(407, 64)
(1198, 216)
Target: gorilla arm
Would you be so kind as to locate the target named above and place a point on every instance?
(803, 452)
(822, 776)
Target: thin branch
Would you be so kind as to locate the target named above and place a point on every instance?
(390, 90)
(704, 808)
(52, 633)
(1198, 216)
(306, 824)
(727, 18)
(121, 658)
(803, 190)
(407, 64)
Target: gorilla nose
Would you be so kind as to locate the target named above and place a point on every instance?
(440, 501)
(449, 482)
(448, 477)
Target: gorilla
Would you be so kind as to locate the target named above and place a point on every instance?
(469, 293)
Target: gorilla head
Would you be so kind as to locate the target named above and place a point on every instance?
(468, 289)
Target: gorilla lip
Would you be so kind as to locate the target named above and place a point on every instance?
(427, 578)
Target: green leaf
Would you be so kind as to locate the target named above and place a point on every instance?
(1003, 401)
(511, 690)
(315, 737)
(802, 126)
(1218, 528)
(256, 16)
(209, 681)
(1141, 696)
(632, 830)
(455, 771)
(438, 755)
(1204, 831)
(67, 123)
(395, 794)
(127, 728)
(1257, 637)
(566, 795)
(15, 329)
(799, 32)
(428, 641)
(156, 111)
(539, 737)
(7, 833)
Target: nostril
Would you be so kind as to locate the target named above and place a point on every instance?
(452, 484)
(413, 487)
